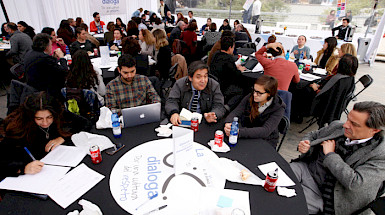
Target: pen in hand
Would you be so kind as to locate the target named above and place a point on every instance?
(29, 153)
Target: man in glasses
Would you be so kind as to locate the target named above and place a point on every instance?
(280, 68)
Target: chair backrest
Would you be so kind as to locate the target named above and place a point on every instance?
(87, 101)
(172, 71)
(245, 51)
(257, 40)
(18, 93)
(283, 125)
(366, 81)
(204, 59)
(286, 96)
(17, 71)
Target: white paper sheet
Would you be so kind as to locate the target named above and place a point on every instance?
(74, 185)
(320, 71)
(258, 68)
(308, 77)
(183, 148)
(209, 198)
(283, 179)
(231, 170)
(104, 55)
(39, 183)
(187, 115)
(64, 156)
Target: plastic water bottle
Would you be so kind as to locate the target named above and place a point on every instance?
(301, 57)
(116, 130)
(287, 56)
(233, 138)
(67, 51)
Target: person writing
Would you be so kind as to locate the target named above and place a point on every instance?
(197, 93)
(259, 112)
(300, 47)
(35, 125)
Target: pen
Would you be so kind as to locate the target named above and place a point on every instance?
(29, 153)
(149, 199)
(156, 209)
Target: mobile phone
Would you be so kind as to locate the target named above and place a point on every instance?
(115, 149)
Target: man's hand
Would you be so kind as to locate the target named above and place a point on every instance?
(210, 117)
(304, 146)
(175, 119)
(275, 46)
(241, 68)
(53, 144)
(314, 86)
(295, 52)
(33, 167)
(227, 129)
(328, 146)
(59, 53)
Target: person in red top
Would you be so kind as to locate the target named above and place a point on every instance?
(283, 70)
(190, 37)
(96, 25)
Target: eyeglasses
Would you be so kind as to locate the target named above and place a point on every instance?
(257, 92)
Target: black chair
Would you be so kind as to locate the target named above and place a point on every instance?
(245, 51)
(283, 126)
(366, 81)
(167, 84)
(17, 71)
(18, 92)
(240, 43)
(257, 41)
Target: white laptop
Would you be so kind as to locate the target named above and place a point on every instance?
(141, 114)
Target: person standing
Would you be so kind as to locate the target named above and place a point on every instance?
(96, 25)
(331, 18)
(256, 12)
(163, 9)
(72, 25)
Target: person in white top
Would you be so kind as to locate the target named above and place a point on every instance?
(256, 12)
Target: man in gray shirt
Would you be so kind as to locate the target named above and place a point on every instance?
(21, 43)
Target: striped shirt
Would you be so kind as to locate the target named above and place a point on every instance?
(139, 92)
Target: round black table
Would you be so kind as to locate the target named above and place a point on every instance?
(250, 153)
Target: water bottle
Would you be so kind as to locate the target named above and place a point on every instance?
(233, 138)
(287, 56)
(116, 130)
(67, 51)
(301, 57)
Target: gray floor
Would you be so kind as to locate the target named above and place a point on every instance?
(289, 148)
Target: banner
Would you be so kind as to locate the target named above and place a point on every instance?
(341, 8)
(108, 7)
(248, 4)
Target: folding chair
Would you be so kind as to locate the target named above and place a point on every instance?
(283, 126)
(167, 85)
(366, 81)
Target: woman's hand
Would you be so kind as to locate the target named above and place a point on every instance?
(53, 144)
(114, 47)
(314, 86)
(60, 41)
(33, 167)
(227, 128)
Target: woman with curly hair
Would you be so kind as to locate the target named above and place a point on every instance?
(162, 53)
(132, 28)
(83, 75)
(36, 126)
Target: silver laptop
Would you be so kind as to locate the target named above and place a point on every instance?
(141, 114)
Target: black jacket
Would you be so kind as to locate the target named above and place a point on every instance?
(264, 126)
(164, 61)
(87, 46)
(44, 73)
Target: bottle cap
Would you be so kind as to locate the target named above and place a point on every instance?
(236, 119)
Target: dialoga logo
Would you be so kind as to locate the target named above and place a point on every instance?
(114, 2)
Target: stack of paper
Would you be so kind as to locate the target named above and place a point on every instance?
(308, 77)
(63, 189)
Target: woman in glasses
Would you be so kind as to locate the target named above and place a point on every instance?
(260, 112)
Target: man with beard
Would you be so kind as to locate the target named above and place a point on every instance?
(129, 89)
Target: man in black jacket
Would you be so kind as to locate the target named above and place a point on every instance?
(229, 75)
(43, 71)
(341, 29)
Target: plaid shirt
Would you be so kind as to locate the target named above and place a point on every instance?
(121, 95)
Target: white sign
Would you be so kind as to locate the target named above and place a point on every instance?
(183, 148)
(248, 4)
(108, 7)
(147, 170)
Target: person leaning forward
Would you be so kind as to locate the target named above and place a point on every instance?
(209, 97)
(342, 166)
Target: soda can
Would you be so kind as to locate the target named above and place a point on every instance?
(95, 52)
(69, 61)
(4, 38)
(1, 39)
(194, 124)
(218, 140)
(271, 181)
(96, 156)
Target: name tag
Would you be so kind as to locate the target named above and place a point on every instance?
(82, 46)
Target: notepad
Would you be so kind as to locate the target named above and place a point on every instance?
(64, 156)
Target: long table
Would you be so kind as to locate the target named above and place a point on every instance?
(249, 152)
